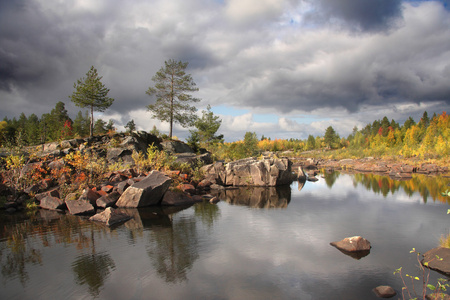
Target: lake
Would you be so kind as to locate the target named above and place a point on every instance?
(254, 244)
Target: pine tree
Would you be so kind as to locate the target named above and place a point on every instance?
(172, 101)
(207, 127)
(131, 126)
(91, 92)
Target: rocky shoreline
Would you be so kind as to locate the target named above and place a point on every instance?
(115, 187)
(396, 170)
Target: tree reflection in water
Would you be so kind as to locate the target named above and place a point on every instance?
(426, 186)
(207, 213)
(173, 249)
(93, 269)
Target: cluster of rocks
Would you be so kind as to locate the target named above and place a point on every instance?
(370, 165)
(123, 189)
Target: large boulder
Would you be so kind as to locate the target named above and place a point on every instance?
(251, 172)
(110, 217)
(148, 191)
(176, 147)
(352, 244)
(442, 264)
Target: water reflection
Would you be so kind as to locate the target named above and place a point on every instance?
(93, 269)
(173, 242)
(173, 249)
(19, 253)
(257, 197)
(426, 186)
(207, 213)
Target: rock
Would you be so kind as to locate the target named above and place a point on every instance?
(52, 203)
(54, 193)
(73, 143)
(107, 188)
(251, 172)
(442, 266)
(352, 244)
(176, 199)
(50, 147)
(146, 192)
(122, 186)
(193, 159)
(384, 291)
(187, 188)
(79, 207)
(89, 195)
(116, 154)
(110, 217)
(176, 147)
(107, 200)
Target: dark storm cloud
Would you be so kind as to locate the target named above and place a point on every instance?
(364, 15)
(282, 57)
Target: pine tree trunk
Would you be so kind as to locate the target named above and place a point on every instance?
(91, 127)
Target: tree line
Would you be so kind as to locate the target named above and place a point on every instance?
(172, 88)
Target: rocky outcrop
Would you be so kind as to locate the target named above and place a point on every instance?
(148, 191)
(251, 172)
(395, 170)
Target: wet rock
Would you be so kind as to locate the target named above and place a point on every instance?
(442, 266)
(52, 203)
(79, 207)
(352, 244)
(146, 192)
(110, 217)
(384, 291)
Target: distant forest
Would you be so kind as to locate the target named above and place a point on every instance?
(429, 137)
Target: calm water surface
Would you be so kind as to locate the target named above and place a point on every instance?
(255, 244)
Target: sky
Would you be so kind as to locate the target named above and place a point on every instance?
(279, 68)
